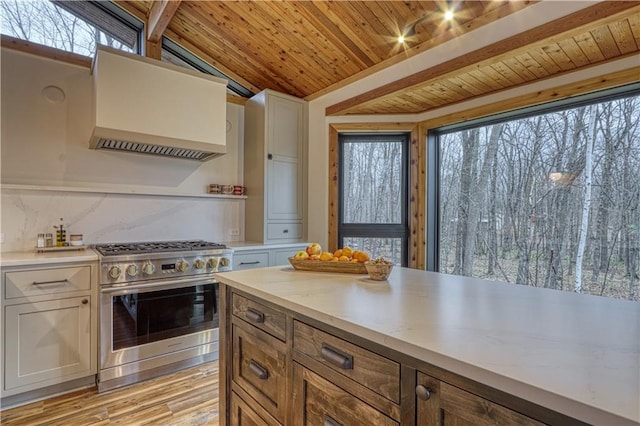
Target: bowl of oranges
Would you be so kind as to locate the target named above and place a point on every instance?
(345, 260)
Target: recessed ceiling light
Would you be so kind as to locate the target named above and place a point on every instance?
(400, 39)
(448, 15)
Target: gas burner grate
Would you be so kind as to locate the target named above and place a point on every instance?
(117, 249)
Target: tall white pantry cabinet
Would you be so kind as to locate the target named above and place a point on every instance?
(275, 167)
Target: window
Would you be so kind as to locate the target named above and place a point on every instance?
(73, 26)
(178, 55)
(373, 194)
(549, 198)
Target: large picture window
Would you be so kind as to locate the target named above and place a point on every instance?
(373, 194)
(549, 200)
(72, 26)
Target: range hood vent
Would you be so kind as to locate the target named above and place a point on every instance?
(143, 148)
(146, 106)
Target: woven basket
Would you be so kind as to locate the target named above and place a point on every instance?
(319, 266)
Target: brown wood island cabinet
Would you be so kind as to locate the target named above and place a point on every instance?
(278, 367)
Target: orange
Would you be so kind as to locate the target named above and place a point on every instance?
(326, 256)
(338, 253)
(362, 256)
(347, 251)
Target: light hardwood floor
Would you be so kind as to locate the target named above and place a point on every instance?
(187, 397)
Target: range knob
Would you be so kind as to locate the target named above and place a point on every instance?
(182, 265)
(224, 262)
(114, 272)
(212, 263)
(132, 270)
(148, 268)
(198, 264)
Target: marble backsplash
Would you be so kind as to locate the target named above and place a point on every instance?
(103, 218)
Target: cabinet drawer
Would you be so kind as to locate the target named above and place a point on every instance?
(243, 414)
(320, 402)
(37, 282)
(281, 256)
(259, 367)
(260, 316)
(285, 231)
(250, 260)
(377, 373)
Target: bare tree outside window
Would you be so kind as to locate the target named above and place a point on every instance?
(549, 201)
(44, 22)
(373, 187)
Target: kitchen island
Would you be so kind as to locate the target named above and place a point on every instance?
(304, 347)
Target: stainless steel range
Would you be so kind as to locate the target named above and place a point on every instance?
(158, 308)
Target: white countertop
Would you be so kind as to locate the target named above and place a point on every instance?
(254, 245)
(33, 258)
(575, 354)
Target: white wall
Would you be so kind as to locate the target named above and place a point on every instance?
(523, 20)
(46, 143)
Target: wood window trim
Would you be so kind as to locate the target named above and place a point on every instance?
(416, 246)
(418, 150)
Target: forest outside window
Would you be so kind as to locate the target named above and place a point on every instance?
(373, 194)
(548, 200)
(72, 26)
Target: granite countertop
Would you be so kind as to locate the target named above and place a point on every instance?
(33, 258)
(254, 245)
(576, 354)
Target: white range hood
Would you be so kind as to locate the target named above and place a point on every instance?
(146, 106)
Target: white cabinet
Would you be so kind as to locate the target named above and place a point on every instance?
(274, 167)
(260, 257)
(50, 326)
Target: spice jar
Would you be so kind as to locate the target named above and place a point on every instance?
(40, 242)
(48, 240)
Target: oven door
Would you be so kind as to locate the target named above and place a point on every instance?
(143, 321)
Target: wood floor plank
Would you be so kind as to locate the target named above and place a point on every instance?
(187, 397)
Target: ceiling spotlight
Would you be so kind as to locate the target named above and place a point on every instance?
(448, 15)
(410, 30)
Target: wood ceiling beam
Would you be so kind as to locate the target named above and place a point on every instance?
(589, 15)
(160, 15)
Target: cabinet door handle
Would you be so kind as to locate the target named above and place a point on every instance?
(269, 156)
(330, 421)
(250, 263)
(423, 392)
(336, 358)
(85, 301)
(51, 282)
(285, 231)
(255, 316)
(259, 371)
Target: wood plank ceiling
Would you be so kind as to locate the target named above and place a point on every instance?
(309, 48)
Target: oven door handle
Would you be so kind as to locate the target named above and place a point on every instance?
(155, 286)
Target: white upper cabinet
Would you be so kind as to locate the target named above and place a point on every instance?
(275, 167)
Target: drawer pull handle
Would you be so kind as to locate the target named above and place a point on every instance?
(51, 282)
(259, 371)
(423, 392)
(250, 263)
(255, 316)
(285, 231)
(329, 421)
(336, 358)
